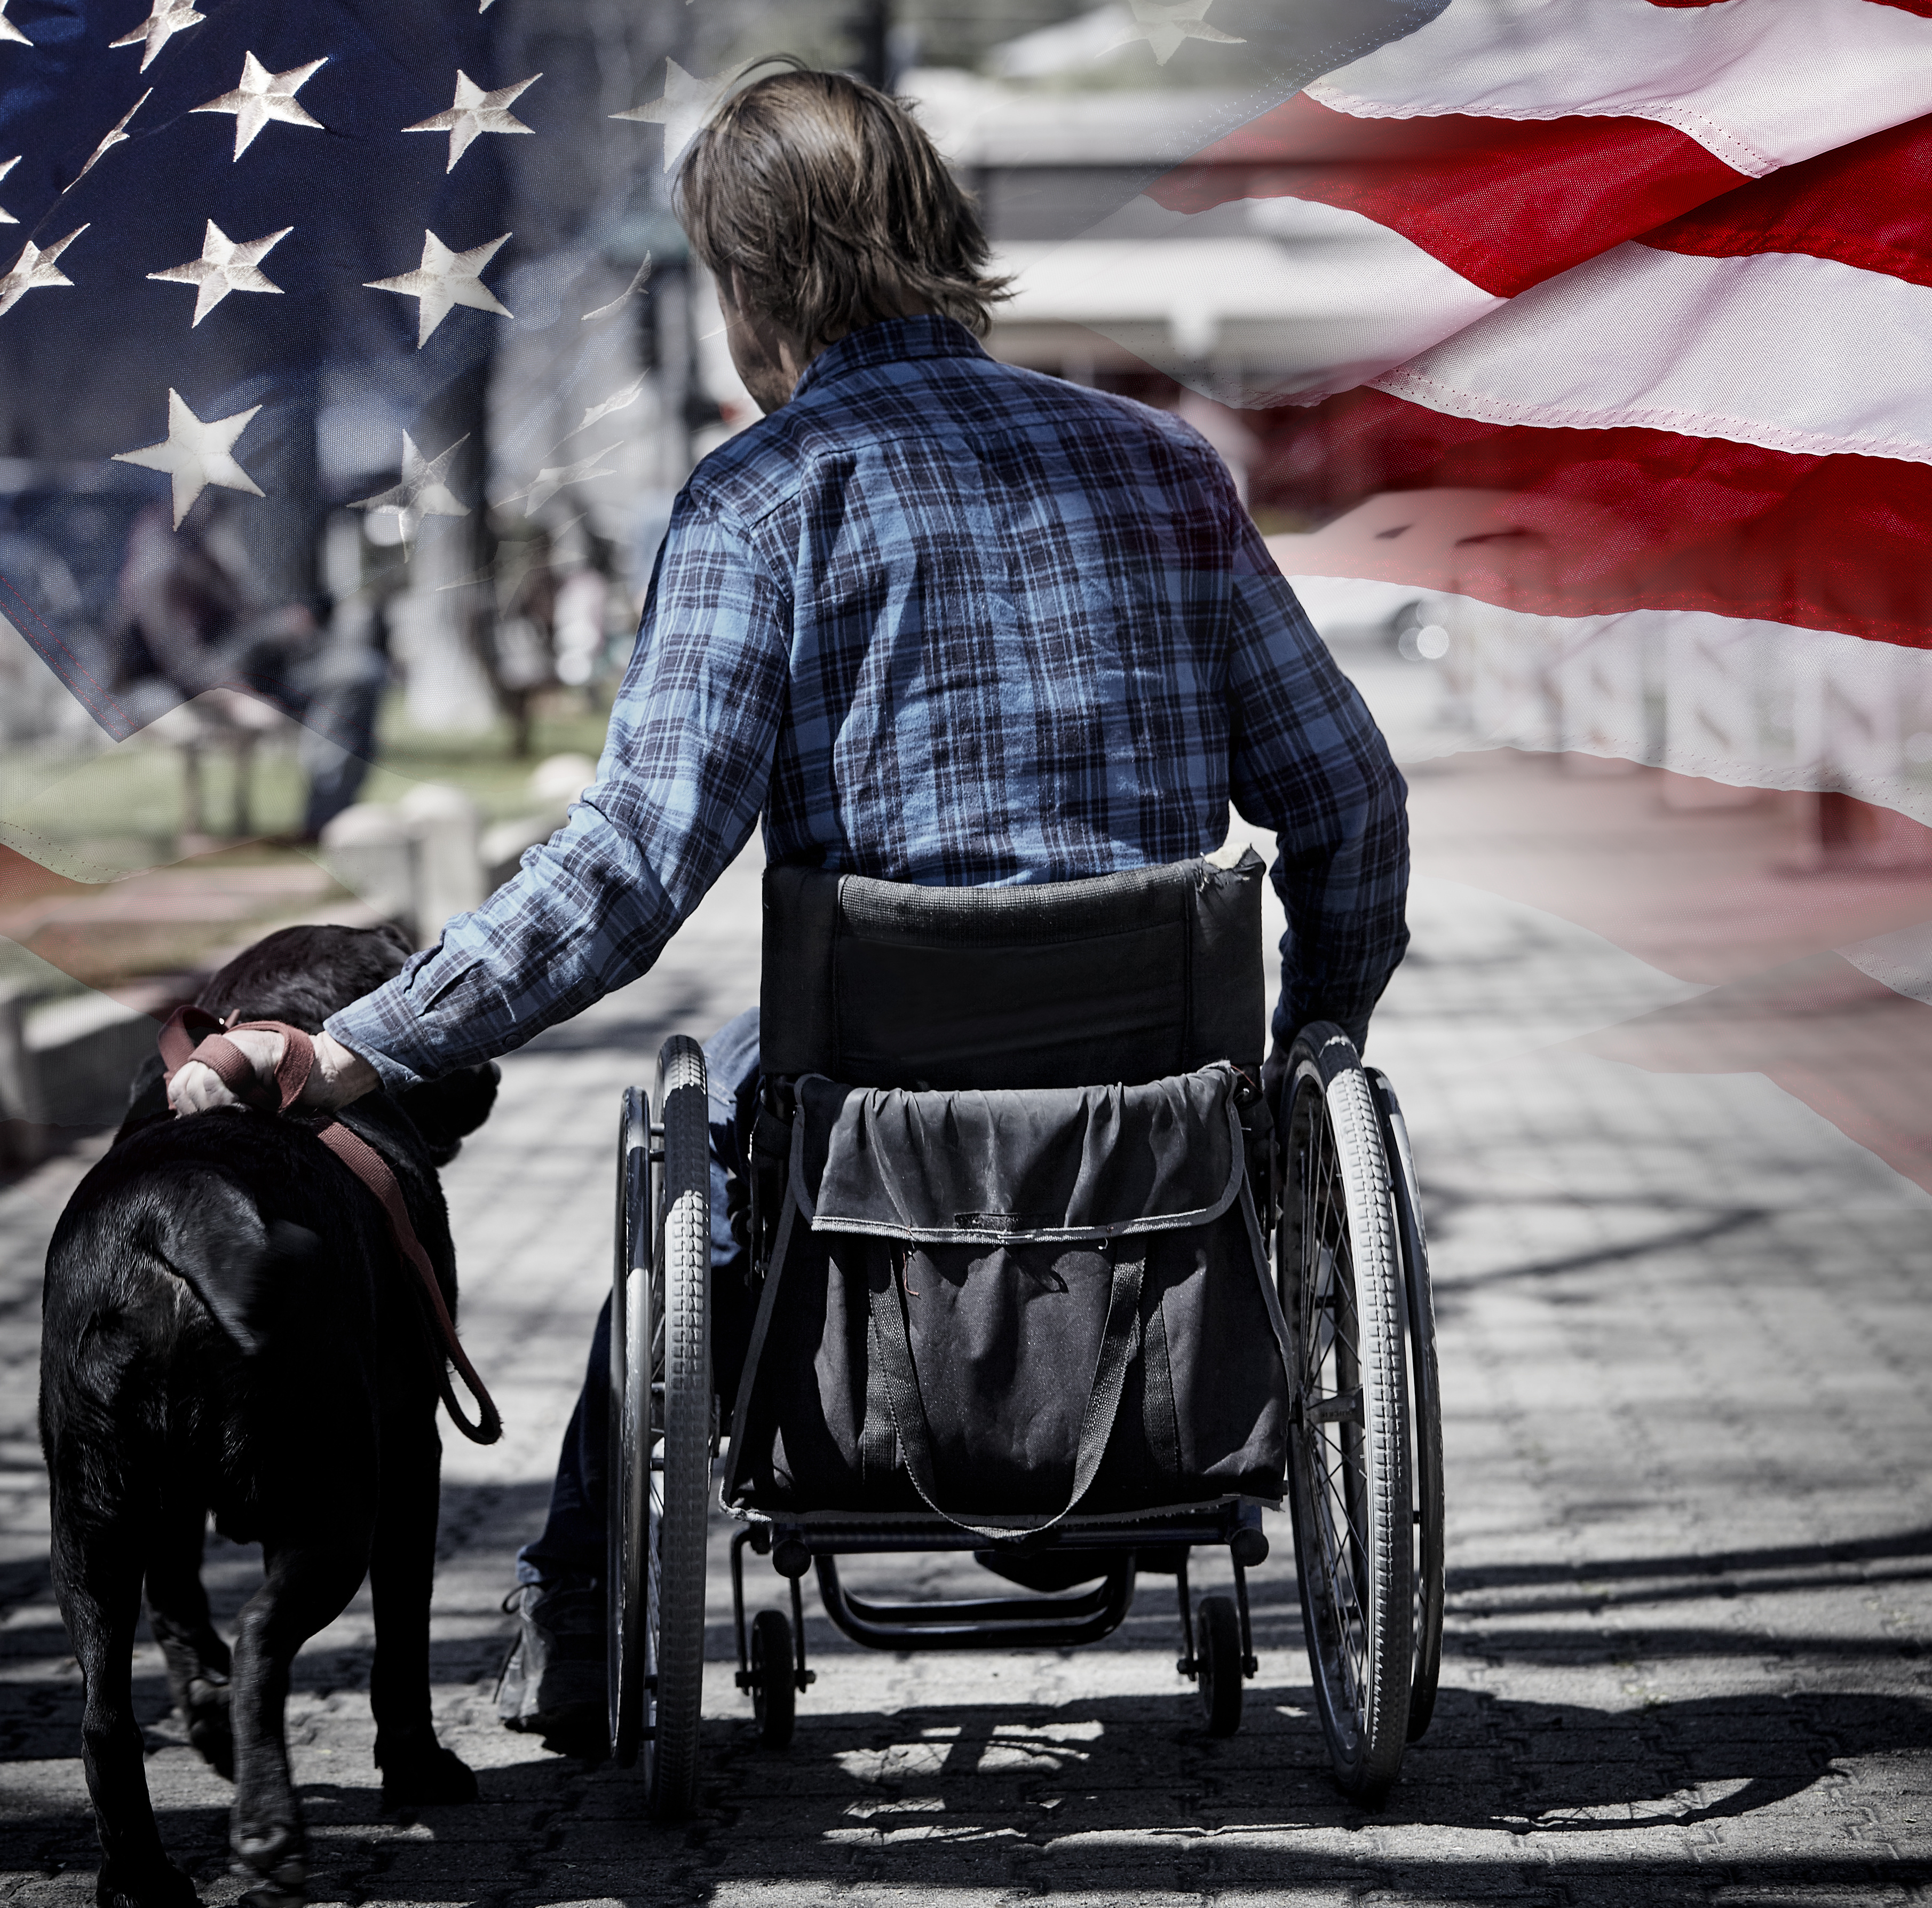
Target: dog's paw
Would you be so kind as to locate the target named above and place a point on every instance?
(272, 1860)
(430, 1774)
(207, 1726)
(155, 1884)
(283, 1886)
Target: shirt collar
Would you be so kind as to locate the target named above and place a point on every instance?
(925, 334)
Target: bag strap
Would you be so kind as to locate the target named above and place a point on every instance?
(893, 1336)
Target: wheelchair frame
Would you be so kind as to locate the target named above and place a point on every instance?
(1365, 1476)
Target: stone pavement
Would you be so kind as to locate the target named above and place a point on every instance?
(1685, 1348)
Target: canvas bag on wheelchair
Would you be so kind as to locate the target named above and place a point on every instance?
(1009, 1302)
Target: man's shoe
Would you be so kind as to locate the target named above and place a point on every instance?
(553, 1682)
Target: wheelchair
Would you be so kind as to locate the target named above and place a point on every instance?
(979, 993)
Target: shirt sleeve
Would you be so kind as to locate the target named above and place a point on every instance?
(678, 792)
(1308, 761)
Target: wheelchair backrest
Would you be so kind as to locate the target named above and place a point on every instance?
(1123, 979)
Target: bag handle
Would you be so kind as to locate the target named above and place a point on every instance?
(892, 1336)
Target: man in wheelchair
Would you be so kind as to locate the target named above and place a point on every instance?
(937, 620)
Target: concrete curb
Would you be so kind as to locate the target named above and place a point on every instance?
(65, 1066)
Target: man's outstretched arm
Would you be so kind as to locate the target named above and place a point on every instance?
(677, 794)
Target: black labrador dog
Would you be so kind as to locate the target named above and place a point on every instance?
(229, 1327)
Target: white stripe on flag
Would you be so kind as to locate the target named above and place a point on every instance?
(1777, 349)
(1358, 300)
(1756, 704)
(1758, 83)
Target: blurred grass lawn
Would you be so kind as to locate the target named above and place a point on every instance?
(95, 816)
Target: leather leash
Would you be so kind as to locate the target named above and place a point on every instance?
(194, 1034)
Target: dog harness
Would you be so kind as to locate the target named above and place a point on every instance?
(194, 1034)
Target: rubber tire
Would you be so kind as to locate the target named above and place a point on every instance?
(1217, 1658)
(680, 1488)
(774, 1694)
(629, 1423)
(1425, 1400)
(1369, 1567)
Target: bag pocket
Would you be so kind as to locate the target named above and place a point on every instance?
(1003, 1307)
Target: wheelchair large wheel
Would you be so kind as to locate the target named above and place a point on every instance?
(661, 1432)
(679, 1481)
(1340, 1270)
(630, 1433)
(1425, 1398)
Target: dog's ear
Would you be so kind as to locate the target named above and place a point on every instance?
(446, 1111)
(388, 931)
(147, 1098)
(209, 1233)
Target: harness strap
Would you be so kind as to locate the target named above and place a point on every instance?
(193, 1034)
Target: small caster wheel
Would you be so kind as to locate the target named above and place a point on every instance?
(1217, 1652)
(774, 1691)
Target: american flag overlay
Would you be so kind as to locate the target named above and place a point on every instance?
(222, 220)
(1598, 328)
(1629, 377)
(1635, 327)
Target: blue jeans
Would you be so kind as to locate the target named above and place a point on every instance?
(572, 1545)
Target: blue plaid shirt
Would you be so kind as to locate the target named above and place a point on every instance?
(939, 619)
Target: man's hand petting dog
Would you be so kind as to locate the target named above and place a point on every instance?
(338, 1076)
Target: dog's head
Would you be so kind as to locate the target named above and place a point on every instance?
(302, 975)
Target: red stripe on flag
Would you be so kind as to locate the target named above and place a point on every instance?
(1868, 204)
(1601, 521)
(1506, 202)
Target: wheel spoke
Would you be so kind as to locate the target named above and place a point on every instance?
(1344, 1609)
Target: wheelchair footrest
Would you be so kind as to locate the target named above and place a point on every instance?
(1037, 1622)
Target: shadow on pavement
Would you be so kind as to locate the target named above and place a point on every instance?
(1113, 1797)
(1120, 1797)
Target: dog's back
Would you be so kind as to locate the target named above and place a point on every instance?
(210, 1323)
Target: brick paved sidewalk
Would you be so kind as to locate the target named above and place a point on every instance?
(1684, 1346)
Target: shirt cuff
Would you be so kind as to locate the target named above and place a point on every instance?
(443, 1011)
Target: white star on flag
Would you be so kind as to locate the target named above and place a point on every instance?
(474, 113)
(445, 278)
(225, 265)
(1164, 27)
(553, 477)
(422, 492)
(197, 453)
(33, 270)
(114, 137)
(6, 166)
(262, 96)
(682, 109)
(8, 31)
(167, 18)
(617, 401)
(639, 279)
